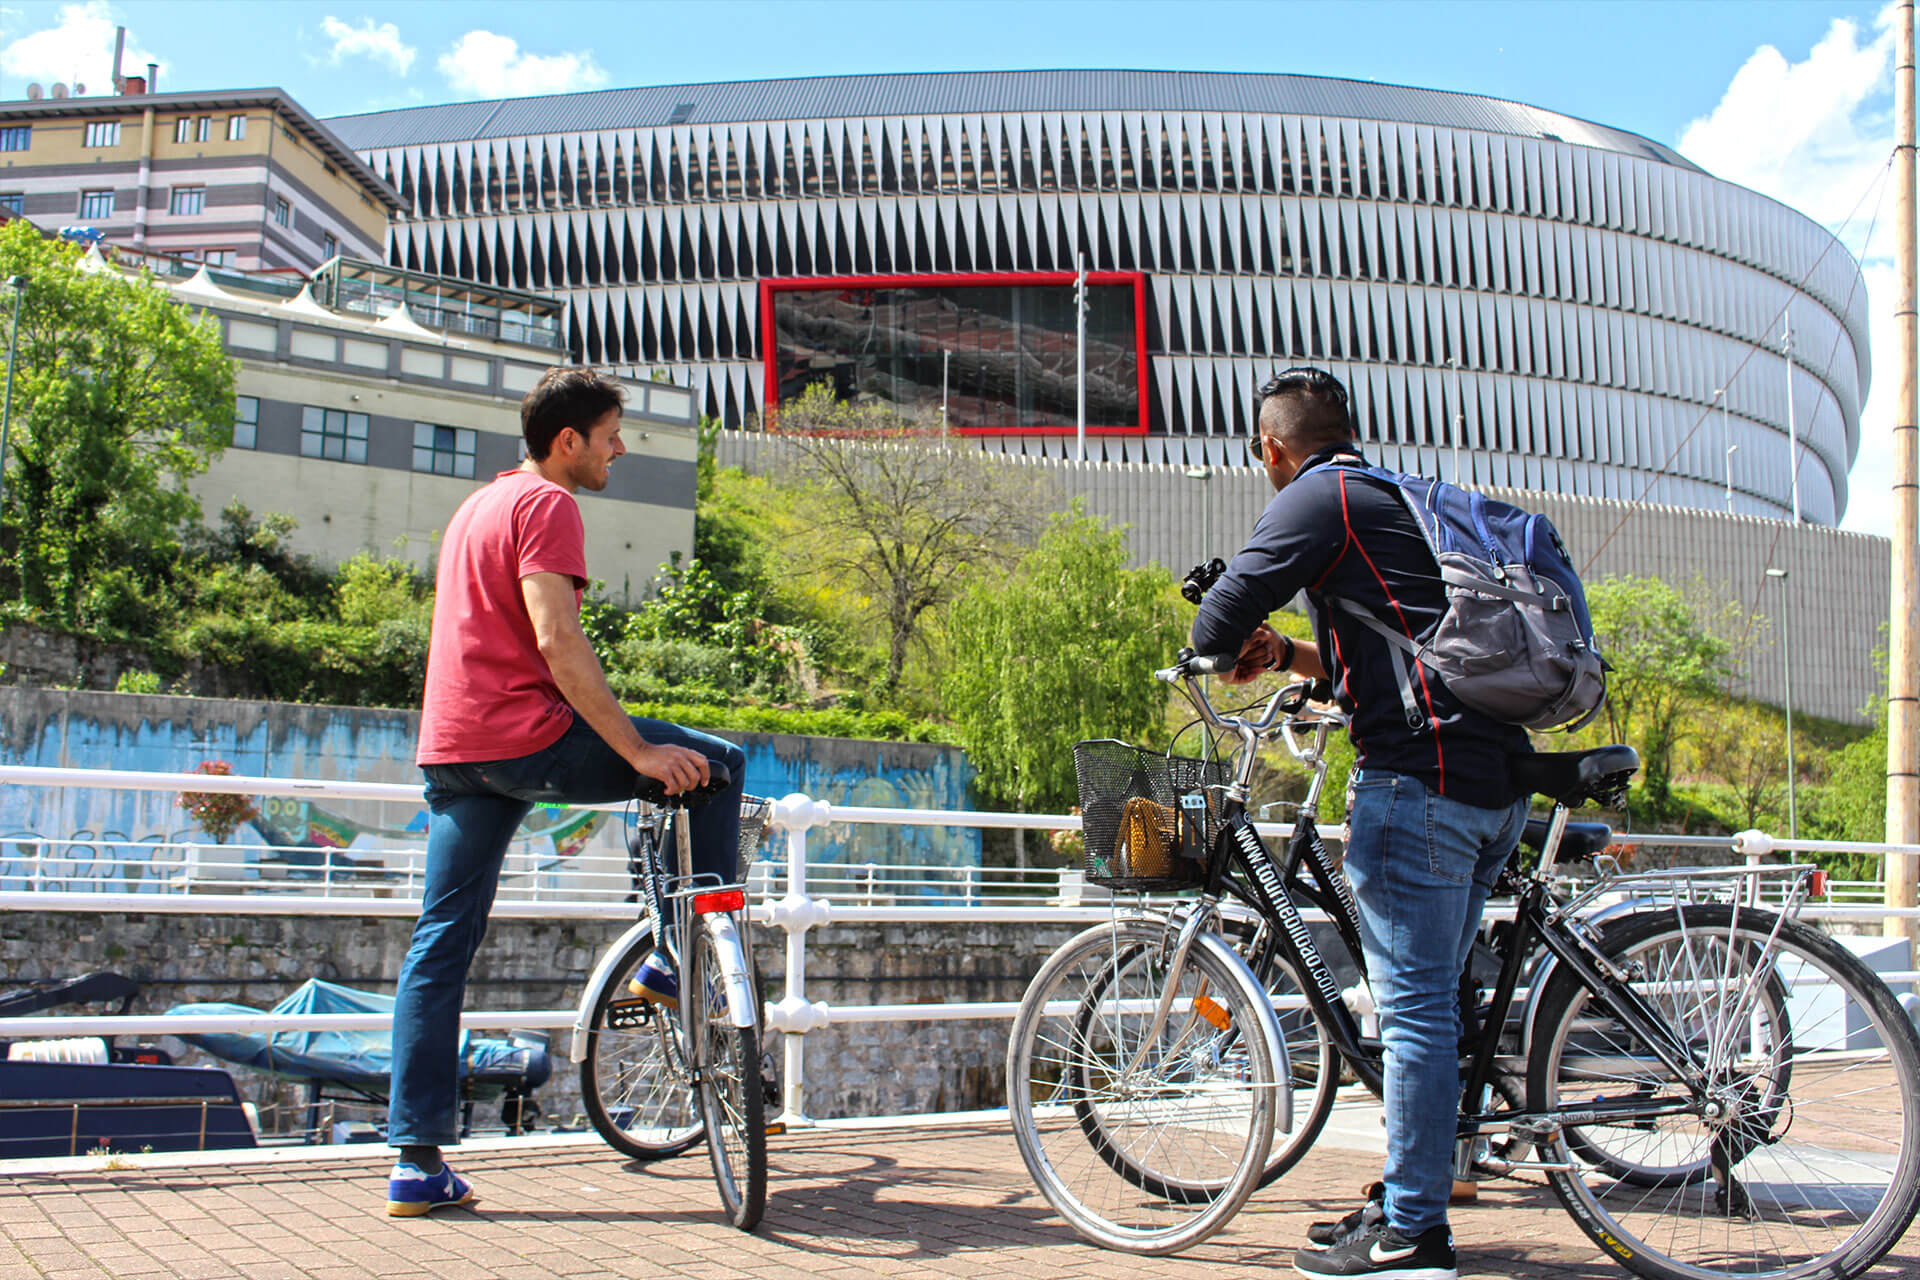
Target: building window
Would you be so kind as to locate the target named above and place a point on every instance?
(333, 433)
(282, 212)
(218, 257)
(443, 451)
(203, 129)
(329, 246)
(183, 129)
(16, 137)
(96, 204)
(246, 421)
(236, 128)
(103, 133)
(188, 200)
(13, 204)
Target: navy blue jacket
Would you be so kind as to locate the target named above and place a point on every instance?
(1337, 533)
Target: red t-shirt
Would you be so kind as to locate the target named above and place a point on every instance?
(489, 694)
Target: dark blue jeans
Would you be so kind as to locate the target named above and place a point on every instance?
(1422, 867)
(473, 811)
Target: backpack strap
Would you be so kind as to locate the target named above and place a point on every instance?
(1404, 651)
(1399, 645)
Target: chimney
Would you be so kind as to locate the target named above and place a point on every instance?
(153, 77)
(119, 47)
(133, 85)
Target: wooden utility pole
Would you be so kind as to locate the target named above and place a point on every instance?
(1903, 674)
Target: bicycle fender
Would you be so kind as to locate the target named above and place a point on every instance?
(1276, 1040)
(743, 1006)
(602, 974)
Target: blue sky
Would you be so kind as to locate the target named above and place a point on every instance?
(1790, 97)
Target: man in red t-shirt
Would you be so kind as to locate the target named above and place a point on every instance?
(518, 712)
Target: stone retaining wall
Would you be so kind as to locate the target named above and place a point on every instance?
(873, 1069)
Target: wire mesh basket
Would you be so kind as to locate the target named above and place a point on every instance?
(754, 813)
(1149, 818)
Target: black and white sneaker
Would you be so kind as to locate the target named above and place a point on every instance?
(1324, 1235)
(1379, 1252)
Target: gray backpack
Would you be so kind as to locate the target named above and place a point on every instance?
(1516, 643)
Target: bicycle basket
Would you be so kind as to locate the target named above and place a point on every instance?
(1149, 818)
(754, 812)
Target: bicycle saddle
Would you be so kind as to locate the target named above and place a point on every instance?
(1572, 778)
(1579, 840)
(652, 790)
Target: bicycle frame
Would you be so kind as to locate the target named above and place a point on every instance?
(1265, 887)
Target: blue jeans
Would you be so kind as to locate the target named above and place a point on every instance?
(1422, 866)
(473, 811)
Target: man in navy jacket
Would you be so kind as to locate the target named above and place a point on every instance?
(1433, 812)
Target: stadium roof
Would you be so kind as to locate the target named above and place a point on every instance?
(976, 93)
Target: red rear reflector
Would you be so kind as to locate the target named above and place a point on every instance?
(1817, 884)
(707, 904)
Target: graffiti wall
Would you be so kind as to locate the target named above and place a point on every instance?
(119, 841)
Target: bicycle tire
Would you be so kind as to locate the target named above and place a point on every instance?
(732, 1101)
(1063, 1063)
(1822, 1166)
(629, 1086)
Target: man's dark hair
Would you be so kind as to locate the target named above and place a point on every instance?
(565, 397)
(1305, 409)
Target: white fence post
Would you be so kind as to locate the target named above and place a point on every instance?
(794, 1015)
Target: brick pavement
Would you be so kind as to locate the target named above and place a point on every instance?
(844, 1204)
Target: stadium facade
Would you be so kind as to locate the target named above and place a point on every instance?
(1516, 297)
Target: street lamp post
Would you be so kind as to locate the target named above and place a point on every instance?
(1726, 438)
(1204, 475)
(1459, 418)
(19, 286)
(1786, 614)
(1080, 360)
(946, 359)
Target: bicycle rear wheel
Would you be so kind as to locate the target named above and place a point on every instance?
(1145, 1147)
(636, 1090)
(1810, 1130)
(727, 1061)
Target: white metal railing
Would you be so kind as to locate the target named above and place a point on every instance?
(793, 895)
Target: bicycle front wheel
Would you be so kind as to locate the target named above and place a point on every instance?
(1145, 1145)
(1802, 1158)
(636, 1089)
(1312, 1060)
(727, 1062)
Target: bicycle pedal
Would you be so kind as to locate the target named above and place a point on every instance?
(629, 1015)
(776, 1128)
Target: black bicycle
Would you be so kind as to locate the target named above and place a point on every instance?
(1711, 1089)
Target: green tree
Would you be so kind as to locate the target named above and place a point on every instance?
(120, 396)
(1060, 648)
(894, 509)
(1668, 652)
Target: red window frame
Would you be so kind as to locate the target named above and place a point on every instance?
(802, 284)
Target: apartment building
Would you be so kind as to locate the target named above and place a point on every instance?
(241, 178)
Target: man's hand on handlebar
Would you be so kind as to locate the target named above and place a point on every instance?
(677, 769)
(1258, 656)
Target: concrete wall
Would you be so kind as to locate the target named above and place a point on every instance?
(81, 837)
(878, 1069)
(1839, 582)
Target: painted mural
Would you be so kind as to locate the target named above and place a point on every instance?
(120, 841)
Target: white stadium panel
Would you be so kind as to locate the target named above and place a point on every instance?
(1270, 231)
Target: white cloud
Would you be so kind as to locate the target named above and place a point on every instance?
(380, 43)
(482, 64)
(78, 48)
(1816, 134)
